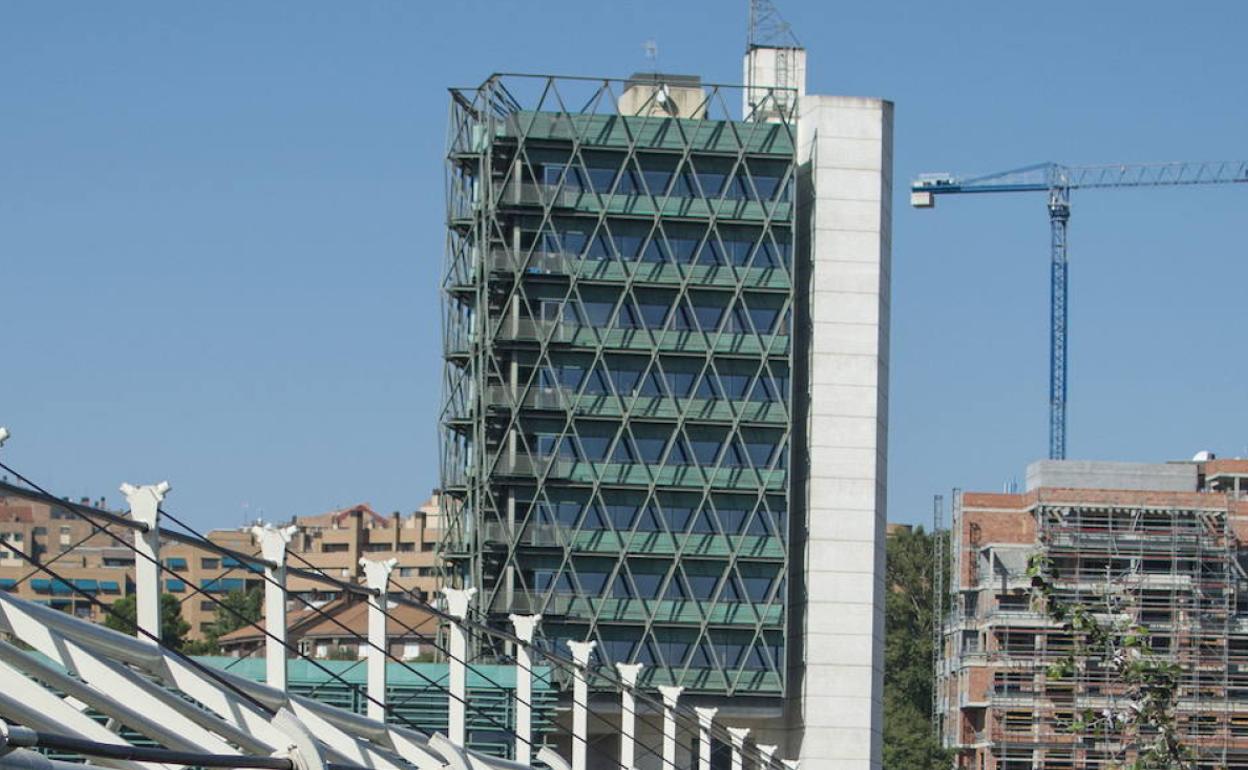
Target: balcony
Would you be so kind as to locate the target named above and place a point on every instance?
(634, 405)
(648, 543)
(613, 609)
(634, 474)
(532, 195)
(578, 335)
(616, 270)
(616, 131)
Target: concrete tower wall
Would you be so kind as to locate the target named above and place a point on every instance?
(844, 226)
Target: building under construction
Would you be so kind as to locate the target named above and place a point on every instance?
(1165, 542)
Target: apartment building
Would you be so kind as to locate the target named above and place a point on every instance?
(100, 564)
(1166, 541)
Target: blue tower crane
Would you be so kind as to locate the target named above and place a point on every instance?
(1057, 181)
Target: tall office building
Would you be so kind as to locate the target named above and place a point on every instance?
(665, 326)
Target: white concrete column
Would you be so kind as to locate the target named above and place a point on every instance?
(765, 753)
(738, 736)
(144, 504)
(628, 713)
(580, 702)
(670, 695)
(273, 541)
(457, 601)
(525, 626)
(377, 578)
(844, 240)
(791, 764)
(706, 716)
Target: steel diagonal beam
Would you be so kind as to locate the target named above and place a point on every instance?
(26, 703)
(102, 702)
(33, 626)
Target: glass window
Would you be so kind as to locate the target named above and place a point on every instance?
(656, 250)
(648, 578)
(601, 179)
(708, 316)
(595, 447)
(650, 385)
(650, 447)
(711, 182)
(597, 312)
(763, 318)
(731, 517)
(592, 574)
(671, 647)
(624, 379)
(654, 313)
(621, 515)
(760, 451)
(679, 382)
(756, 586)
(677, 516)
(705, 448)
(657, 181)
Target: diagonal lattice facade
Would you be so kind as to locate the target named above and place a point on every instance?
(618, 304)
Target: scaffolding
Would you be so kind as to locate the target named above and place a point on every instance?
(1171, 567)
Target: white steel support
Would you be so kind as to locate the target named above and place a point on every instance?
(738, 736)
(273, 543)
(457, 601)
(628, 713)
(791, 764)
(670, 695)
(706, 717)
(144, 504)
(377, 578)
(765, 753)
(580, 702)
(525, 625)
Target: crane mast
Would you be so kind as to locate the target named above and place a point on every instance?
(1057, 181)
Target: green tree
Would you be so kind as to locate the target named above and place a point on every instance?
(236, 610)
(1105, 635)
(122, 616)
(910, 742)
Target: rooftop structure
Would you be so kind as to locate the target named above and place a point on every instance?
(1166, 541)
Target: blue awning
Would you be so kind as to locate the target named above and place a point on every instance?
(175, 562)
(222, 585)
(87, 584)
(110, 586)
(175, 586)
(41, 585)
(6, 583)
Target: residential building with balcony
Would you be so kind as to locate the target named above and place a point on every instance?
(97, 567)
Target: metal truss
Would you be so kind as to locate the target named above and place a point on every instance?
(618, 296)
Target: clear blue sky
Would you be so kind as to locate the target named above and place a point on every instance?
(221, 230)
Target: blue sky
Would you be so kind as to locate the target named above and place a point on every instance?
(221, 230)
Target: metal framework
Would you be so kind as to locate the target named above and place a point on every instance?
(617, 323)
(1173, 569)
(92, 681)
(1057, 181)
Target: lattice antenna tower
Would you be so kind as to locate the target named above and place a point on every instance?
(768, 28)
